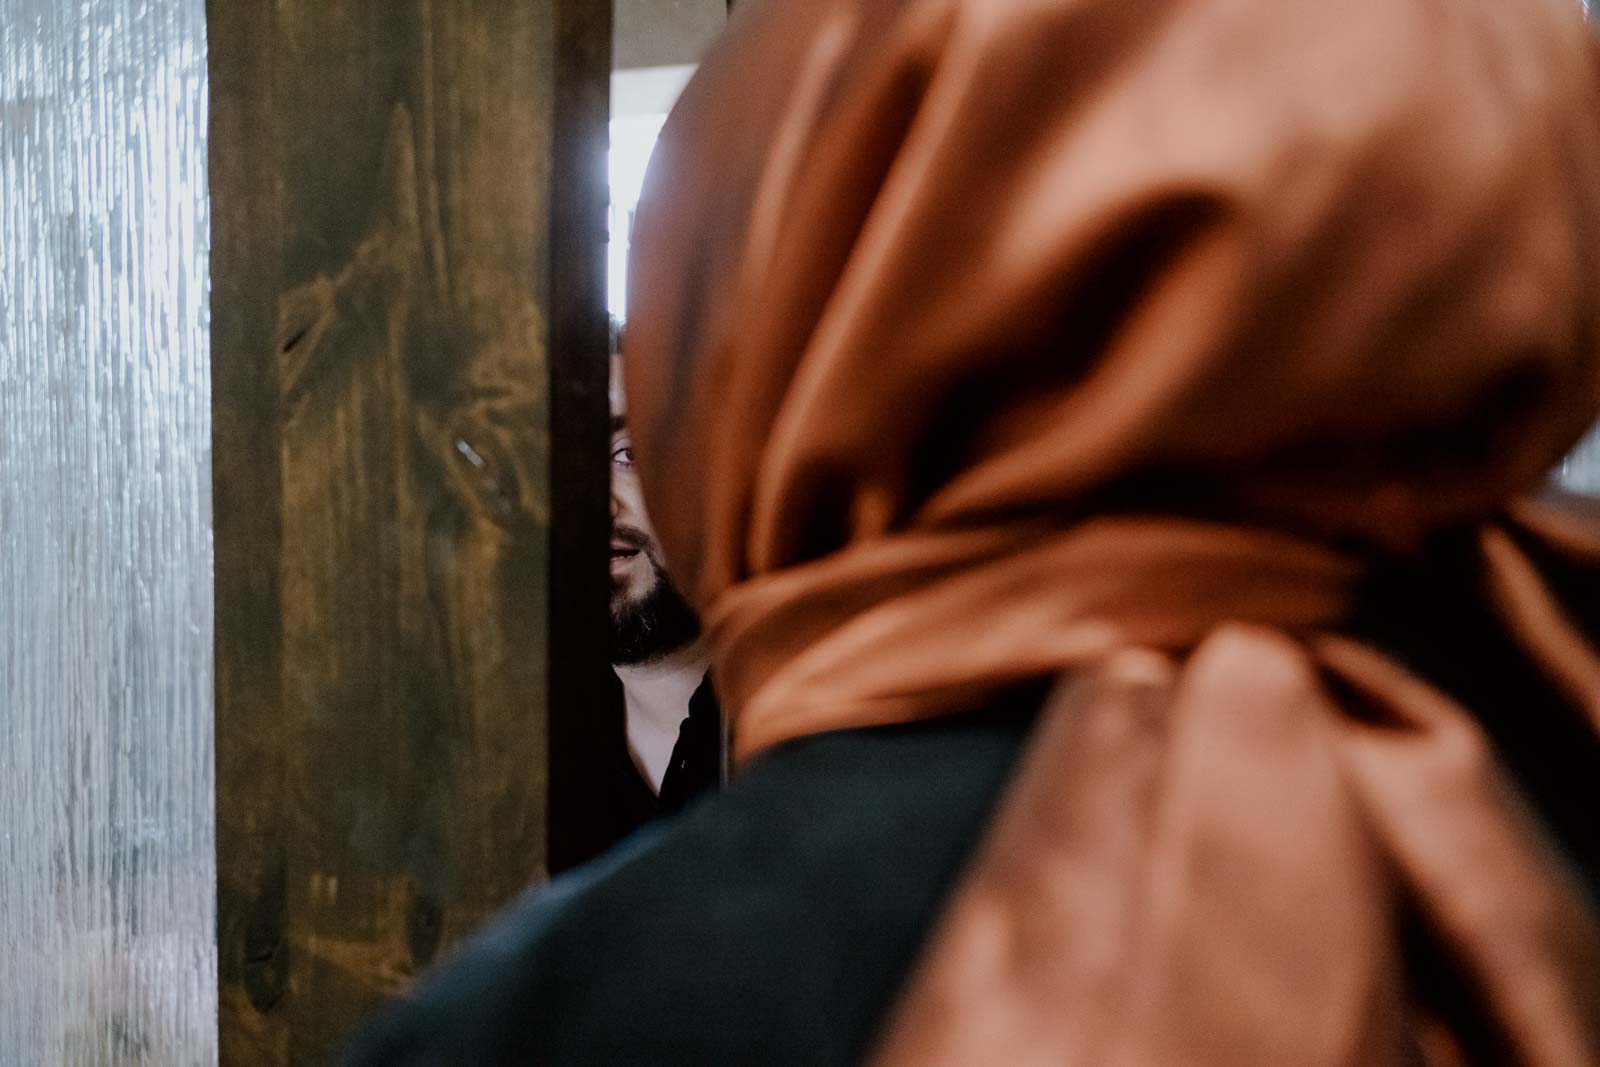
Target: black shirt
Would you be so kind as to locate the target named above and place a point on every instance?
(695, 765)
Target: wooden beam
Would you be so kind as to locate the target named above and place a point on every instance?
(252, 847)
(387, 180)
(584, 740)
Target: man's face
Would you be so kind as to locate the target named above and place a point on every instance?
(648, 617)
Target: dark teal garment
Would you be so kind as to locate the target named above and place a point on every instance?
(769, 924)
(773, 923)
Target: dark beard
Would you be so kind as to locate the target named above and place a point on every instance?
(645, 630)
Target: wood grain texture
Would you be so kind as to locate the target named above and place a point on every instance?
(253, 957)
(382, 260)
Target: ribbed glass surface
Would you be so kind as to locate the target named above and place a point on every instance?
(107, 841)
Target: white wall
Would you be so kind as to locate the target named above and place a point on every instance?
(1581, 472)
(655, 46)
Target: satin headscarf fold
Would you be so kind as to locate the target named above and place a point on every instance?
(979, 341)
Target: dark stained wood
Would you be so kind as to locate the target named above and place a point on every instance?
(247, 516)
(384, 175)
(582, 738)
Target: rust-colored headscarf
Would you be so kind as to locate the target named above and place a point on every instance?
(1130, 342)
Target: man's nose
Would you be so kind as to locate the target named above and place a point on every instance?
(616, 505)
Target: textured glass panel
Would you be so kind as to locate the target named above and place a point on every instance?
(106, 828)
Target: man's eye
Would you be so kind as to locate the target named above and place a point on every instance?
(622, 457)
